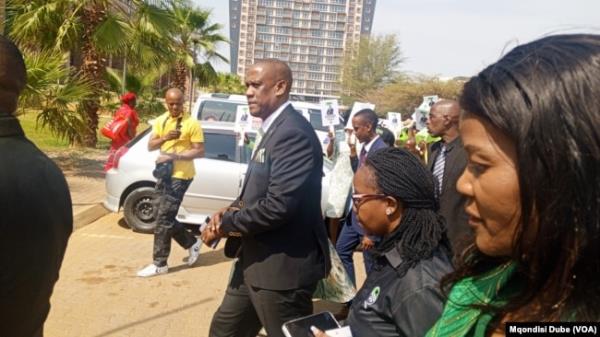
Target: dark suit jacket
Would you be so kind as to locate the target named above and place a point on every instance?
(378, 144)
(284, 242)
(452, 203)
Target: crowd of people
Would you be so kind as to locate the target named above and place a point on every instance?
(499, 223)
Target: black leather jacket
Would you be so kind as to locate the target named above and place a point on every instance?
(388, 305)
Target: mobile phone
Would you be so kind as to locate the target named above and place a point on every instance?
(300, 327)
(203, 227)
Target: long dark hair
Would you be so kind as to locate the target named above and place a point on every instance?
(545, 96)
(399, 174)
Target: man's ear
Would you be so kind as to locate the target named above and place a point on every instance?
(281, 87)
(447, 119)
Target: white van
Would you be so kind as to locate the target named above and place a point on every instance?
(223, 107)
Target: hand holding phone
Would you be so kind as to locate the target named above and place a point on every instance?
(300, 327)
(212, 243)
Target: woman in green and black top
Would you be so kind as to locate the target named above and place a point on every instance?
(531, 128)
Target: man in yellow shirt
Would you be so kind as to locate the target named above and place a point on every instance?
(180, 140)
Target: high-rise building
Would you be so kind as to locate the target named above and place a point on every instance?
(312, 36)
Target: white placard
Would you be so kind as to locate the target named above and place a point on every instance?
(356, 108)
(428, 101)
(244, 122)
(243, 119)
(422, 112)
(330, 115)
(395, 122)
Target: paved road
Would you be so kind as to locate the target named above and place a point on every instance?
(98, 294)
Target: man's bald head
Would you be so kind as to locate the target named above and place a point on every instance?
(268, 83)
(443, 119)
(174, 99)
(12, 75)
(449, 108)
(277, 70)
(174, 92)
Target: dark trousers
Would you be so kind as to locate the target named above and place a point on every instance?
(170, 194)
(346, 244)
(245, 309)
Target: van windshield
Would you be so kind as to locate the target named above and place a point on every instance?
(218, 111)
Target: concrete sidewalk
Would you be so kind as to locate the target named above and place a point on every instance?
(83, 170)
(87, 194)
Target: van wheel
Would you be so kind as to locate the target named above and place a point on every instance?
(140, 209)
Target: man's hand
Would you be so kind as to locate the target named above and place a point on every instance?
(367, 243)
(215, 220)
(173, 134)
(208, 237)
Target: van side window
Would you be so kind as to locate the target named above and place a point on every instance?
(218, 111)
(219, 146)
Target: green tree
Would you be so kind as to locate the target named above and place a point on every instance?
(371, 65)
(143, 84)
(226, 83)
(52, 88)
(91, 30)
(194, 37)
(406, 94)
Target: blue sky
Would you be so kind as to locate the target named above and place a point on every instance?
(461, 37)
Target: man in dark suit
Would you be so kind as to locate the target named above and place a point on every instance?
(447, 162)
(277, 217)
(364, 124)
(36, 217)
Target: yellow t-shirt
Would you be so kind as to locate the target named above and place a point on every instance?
(191, 132)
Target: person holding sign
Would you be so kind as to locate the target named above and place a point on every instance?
(365, 125)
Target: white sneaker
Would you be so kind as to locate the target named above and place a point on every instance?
(194, 253)
(152, 270)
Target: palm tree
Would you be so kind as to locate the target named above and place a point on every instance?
(95, 29)
(194, 37)
(51, 90)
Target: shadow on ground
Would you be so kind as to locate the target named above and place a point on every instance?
(87, 163)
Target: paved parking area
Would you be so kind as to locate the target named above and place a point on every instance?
(98, 294)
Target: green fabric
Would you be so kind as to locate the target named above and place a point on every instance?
(459, 318)
(424, 135)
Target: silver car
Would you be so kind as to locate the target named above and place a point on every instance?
(218, 180)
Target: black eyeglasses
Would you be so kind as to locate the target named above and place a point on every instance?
(359, 199)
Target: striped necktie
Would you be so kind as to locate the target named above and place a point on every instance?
(438, 168)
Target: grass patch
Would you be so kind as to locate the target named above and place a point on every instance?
(41, 137)
(46, 141)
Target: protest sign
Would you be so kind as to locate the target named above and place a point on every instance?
(356, 108)
(422, 112)
(330, 113)
(395, 123)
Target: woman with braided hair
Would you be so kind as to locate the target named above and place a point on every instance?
(394, 197)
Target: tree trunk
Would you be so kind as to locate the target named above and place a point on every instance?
(93, 67)
(181, 72)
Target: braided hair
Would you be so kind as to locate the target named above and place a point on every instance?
(399, 174)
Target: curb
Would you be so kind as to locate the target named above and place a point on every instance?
(87, 215)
